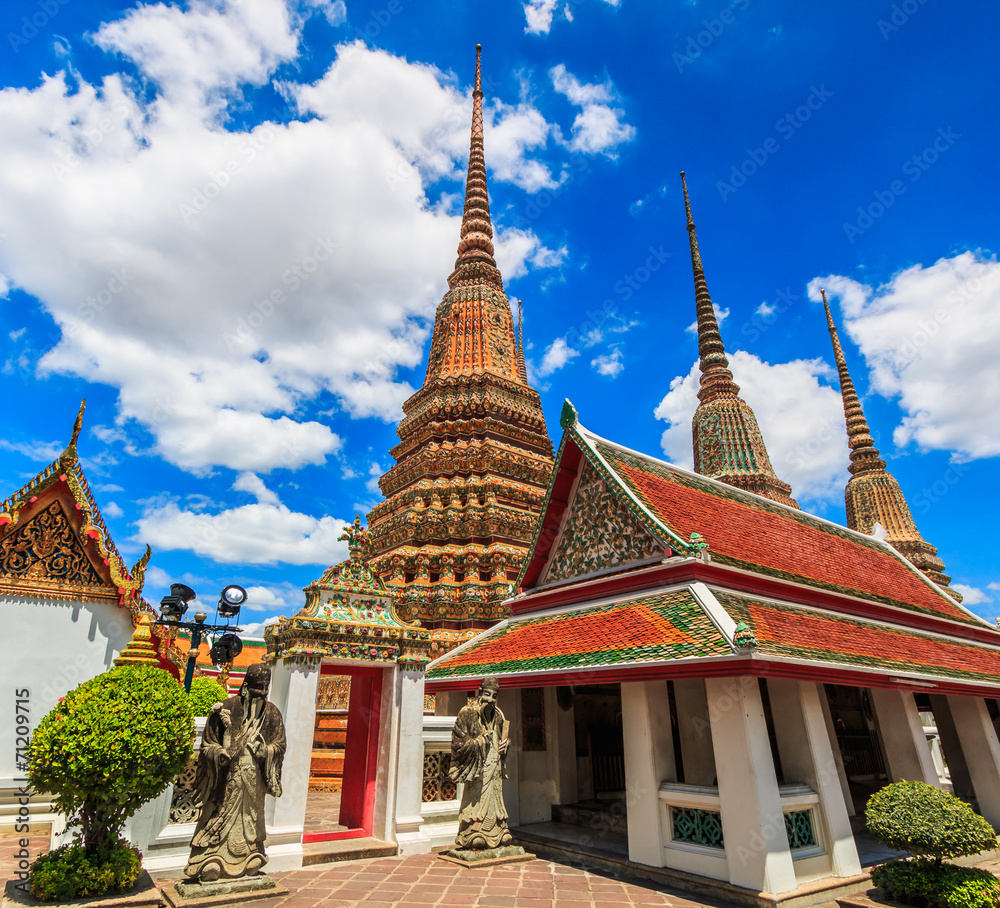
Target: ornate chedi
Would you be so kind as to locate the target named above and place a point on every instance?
(474, 456)
(873, 495)
(348, 615)
(728, 444)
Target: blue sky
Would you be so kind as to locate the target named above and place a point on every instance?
(227, 225)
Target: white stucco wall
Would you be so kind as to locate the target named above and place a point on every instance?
(49, 648)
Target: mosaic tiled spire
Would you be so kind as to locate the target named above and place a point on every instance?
(872, 494)
(474, 455)
(728, 444)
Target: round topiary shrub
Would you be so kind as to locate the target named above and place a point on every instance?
(69, 872)
(109, 746)
(205, 693)
(924, 820)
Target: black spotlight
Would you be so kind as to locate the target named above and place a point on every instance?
(225, 649)
(174, 606)
(230, 600)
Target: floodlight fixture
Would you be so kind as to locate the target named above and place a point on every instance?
(225, 649)
(175, 605)
(231, 599)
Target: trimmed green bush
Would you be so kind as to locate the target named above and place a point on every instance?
(926, 821)
(69, 872)
(205, 693)
(928, 884)
(112, 744)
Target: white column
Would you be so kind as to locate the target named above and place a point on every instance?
(293, 691)
(808, 757)
(410, 764)
(649, 760)
(903, 737)
(982, 752)
(752, 822)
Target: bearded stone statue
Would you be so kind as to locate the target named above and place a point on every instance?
(239, 763)
(479, 745)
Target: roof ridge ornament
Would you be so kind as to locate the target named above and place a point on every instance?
(568, 418)
(69, 456)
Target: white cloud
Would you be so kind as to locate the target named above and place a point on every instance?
(720, 316)
(609, 364)
(515, 249)
(764, 309)
(111, 509)
(929, 337)
(256, 631)
(41, 452)
(198, 54)
(993, 586)
(375, 472)
(971, 595)
(598, 128)
(285, 596)
(221, 280)
(557, 354)
(250, 534)
(335, 11)
(254, 485)
(538, 14)
(802, 422)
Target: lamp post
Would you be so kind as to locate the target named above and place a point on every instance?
(227, 647)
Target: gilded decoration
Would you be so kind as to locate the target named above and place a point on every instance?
(47, 549)
(334, 692)
(599, 532)
(37, 557)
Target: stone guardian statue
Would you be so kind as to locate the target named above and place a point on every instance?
(479, 745)
(239, 763)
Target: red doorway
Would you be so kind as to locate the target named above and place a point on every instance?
(357, 797)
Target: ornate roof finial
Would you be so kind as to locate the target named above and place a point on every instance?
(875, 503)
(356, 537)
(716, 379)
(475, 248)
(864, 454)
(69, 457)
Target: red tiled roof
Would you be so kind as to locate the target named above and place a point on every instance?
(659, 627)
(807, 634)
(750, 532)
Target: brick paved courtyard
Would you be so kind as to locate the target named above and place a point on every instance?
(426, 882)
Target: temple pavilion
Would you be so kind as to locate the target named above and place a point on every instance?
(719, 680)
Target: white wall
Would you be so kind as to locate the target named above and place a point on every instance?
(50, 647)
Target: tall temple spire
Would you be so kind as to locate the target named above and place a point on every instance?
(873, 496)
(475, 248)
(716, 379)
(728, 444)
(474, 456)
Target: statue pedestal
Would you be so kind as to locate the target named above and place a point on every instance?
(222, 892)
(487, 857)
